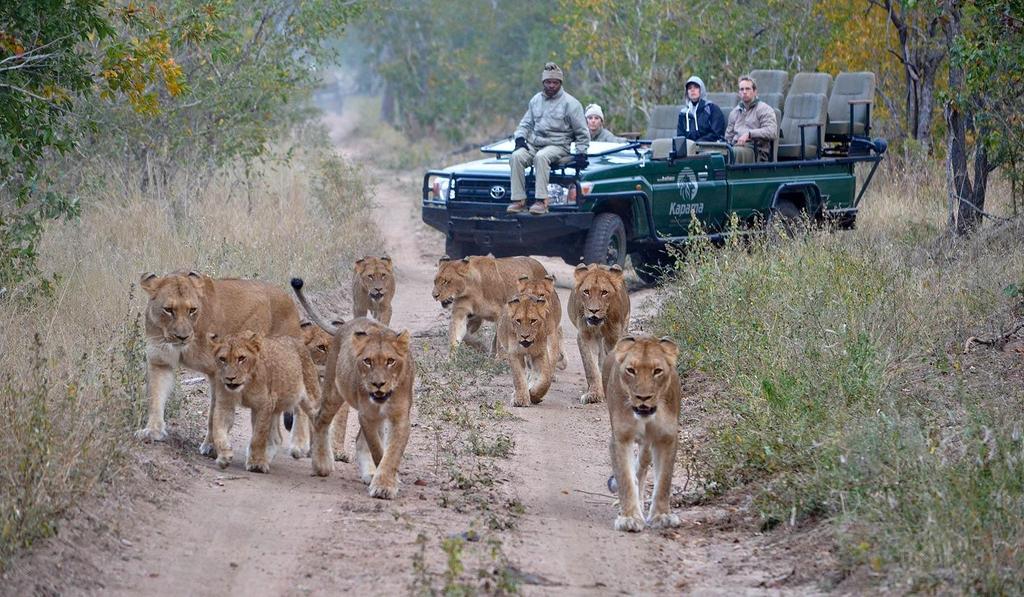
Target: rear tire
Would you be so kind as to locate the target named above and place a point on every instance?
(787, 218)
(651, 265)
(606, 241)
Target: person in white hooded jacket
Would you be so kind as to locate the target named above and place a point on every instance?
(700, 119)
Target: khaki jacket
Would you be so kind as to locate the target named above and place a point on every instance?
(758, 121)
(555, 121)
(606, 136)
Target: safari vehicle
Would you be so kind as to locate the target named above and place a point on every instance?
(634, 198)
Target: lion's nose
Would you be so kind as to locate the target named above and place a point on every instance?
(644, 398)
(377, 385)
(182, 338)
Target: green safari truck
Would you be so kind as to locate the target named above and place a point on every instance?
(634, 198)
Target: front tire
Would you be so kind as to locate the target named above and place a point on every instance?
(606, 241)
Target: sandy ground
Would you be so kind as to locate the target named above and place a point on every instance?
(230, 532)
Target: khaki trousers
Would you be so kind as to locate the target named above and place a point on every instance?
(541, 159)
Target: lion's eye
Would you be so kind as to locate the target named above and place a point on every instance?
(519, 321)
(193, 311)
(533, 322)
(367, 362)
(631, 370)
(586, 292)
(322, 348)
(241, 359)
(222, 359)
(168, 311)
(658, 371)
(604, 292)
(391, 362)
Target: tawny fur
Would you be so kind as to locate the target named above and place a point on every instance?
(599, 309)
(477, 288)
(373, 288)
(267, 376)
(318, 342)
(545, 289)
(183, 309)
(530, 343)
(644, 396)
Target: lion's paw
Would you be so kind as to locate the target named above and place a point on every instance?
(630, 524)
(206, 449)
(257, 467)
(384, 492)
(664, 521)
(341, 456)
(224, 460)
(562, 363)
(298, 452)
(518, 400)
(322, 468)
(591, 398)
(152, 434)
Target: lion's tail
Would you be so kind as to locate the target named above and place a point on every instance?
(297, 285)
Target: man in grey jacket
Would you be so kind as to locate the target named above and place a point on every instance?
(553, 120)
(752, 124)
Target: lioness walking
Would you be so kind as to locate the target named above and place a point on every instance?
(599, 308)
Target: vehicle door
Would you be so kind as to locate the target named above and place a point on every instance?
(687, 188)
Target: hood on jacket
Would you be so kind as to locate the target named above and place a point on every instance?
(700, 83)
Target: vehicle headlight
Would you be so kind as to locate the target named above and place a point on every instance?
(559, 195)
(439, 188)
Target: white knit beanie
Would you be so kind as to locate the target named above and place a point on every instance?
(551, 71)
(594, 110)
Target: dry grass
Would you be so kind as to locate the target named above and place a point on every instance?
(71, 397)
(845, 393)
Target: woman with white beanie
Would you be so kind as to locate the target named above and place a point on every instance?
(595, 123)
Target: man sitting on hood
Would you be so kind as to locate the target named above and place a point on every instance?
(700, 119)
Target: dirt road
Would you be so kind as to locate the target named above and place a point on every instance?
(233, 532)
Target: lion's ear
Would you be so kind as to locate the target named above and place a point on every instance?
(550, 278)
(622, 347)
(444, 259)
(539, 300)
(671, 349)
(580, 271)
(465, 259)
(305, 324)
(194, 274)
(514, 300)
(402, 342)
(387, 262)
(149, 282)
(616, 270)
(359, 265)
(521, 283)
(523, 278)
(337, 322)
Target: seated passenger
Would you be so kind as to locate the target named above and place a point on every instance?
(752, 122)
(700, 119)
(595, 124)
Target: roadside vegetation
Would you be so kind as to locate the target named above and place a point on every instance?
(842, 392)
(134, 141)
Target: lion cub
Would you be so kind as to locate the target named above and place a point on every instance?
(373, 288)
(369, 366)
(476, 289)
(599, 309)
(642, 387)
(318, 342)
(526, 335)
(266, 375)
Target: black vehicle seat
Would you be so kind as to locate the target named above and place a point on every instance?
(804, 120)
(849, 107)
(663, 121)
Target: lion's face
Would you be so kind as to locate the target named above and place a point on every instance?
(450, 281)
(544, 287)
(374, 274)
(236, 356)
(645, 365)
(381, 356)
(317, 342)
(528, 316)
(596, 287)
(175, 304)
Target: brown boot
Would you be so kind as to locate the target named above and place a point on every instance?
(539, 208)
(516, 207)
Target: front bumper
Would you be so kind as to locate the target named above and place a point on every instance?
(491, 230)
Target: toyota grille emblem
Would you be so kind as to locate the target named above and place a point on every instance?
(497, 191)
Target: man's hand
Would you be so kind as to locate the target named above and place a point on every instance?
(581, 161)
(743, 139)
(521, 143)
